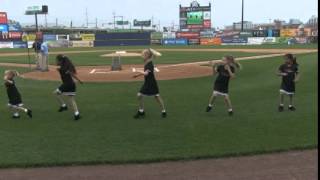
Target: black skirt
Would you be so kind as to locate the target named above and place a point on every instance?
(68, 89)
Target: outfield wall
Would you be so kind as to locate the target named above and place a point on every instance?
(207, 38)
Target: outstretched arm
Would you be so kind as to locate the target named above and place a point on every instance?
(141, 73)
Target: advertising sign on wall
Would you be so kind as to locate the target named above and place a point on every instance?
(188, 35)
(175, 42)
(288, 32)
(169, 35)
(19, 44)
(15, 36)
(62, 37)
(3, 18)
(228, 40)
(210, 41)
(58, 44)
(88, 37)
(6, 44)
(49, 37)
(4, 28)
(81, 44)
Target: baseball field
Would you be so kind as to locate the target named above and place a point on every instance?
(108, 134)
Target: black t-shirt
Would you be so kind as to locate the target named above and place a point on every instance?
(150, 86)
(66, 77)
(291, 70)
(149, 67)
(13, 93)
(222, 81)
(223, 74)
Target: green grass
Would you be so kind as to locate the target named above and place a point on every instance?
(266, 46)
(94, 58)
(108, 134)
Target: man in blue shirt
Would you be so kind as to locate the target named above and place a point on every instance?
(44, 64)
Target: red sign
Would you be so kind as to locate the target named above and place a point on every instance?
(188, 35)
(207, 23)
(15, 35)
(195, 26)
(3, 18)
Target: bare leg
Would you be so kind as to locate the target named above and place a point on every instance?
(73, 104)
(60, 99)
(212, 99)
(161, 103)
(228, 103)
(281, 99)
(291, 100)
(141, 103)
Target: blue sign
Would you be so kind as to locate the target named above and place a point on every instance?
(4, 28)
(19, 44)
(16, 27)
(175, 42)
(49, 37)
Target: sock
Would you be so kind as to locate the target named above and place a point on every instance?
(290, 106)
(281, 104)
(16, 114)
(230, 110)
(210, 105)
(141, 110)
(164, 111)
(77, 113)
(63, 105)
(25, 110)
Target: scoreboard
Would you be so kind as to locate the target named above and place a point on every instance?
(195, 17)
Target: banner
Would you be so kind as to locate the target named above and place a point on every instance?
(228, 40)
(207, 34)
(288, 32)
(169, 35)
(16, 36)
(75, 37)
(156, 41)
(210, 41)
(194, 41)
(4, 28)
(81, 44)
(6, 44)
(62, 37)
(188, 35)
(3, 18)
(19, 44)
(255, 40)
(301, 40)
(49, 37)
(15, 26)
(175, 42)
(142, 23)
(88, 37)
(58, 44)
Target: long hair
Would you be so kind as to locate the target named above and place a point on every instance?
(151, 53)
(292, 58)
(66, 64)
(234, 63)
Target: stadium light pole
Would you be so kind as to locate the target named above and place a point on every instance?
(242, 15)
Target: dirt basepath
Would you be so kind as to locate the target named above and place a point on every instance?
(282, 166)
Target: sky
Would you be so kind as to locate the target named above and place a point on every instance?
(224, 12)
